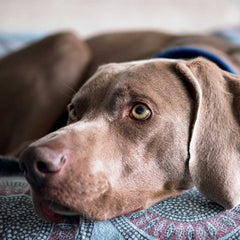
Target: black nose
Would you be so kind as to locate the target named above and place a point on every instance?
(39, 163)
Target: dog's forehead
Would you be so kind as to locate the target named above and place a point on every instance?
(118, 68)
(119, 74)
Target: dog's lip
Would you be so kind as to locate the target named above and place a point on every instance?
(53, 211)
(61, 209)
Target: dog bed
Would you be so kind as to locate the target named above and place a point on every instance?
(187, 216)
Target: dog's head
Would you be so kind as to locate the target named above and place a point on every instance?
(138, 133)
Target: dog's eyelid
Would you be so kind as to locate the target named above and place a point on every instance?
(145, 99)
(151, 104)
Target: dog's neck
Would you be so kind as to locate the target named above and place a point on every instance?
(188, 52)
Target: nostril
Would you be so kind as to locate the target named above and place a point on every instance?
(42, 167)
(39, 163)
(51, 165)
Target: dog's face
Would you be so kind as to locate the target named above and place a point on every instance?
(125, 148)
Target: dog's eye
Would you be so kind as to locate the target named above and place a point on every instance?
(72, 113)
(141, 112)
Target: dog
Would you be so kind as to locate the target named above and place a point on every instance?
(139, 131)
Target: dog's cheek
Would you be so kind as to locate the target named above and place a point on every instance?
(169, 148)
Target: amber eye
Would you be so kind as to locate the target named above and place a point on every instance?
(141, 112)
(72, 113)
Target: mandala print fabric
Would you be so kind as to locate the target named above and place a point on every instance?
(188, 216)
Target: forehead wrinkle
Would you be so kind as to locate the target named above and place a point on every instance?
(131, 96)
(131, 86)
(94, 93)
(115, 75)
(105, 77)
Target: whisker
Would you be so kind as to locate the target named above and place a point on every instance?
(70, 88)
(70, 93)
(66, 95)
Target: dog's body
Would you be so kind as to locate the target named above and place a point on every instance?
(139, 132)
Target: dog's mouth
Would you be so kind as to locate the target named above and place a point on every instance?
(63, 210)
(52, 202)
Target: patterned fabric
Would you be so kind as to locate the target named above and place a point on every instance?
(185, 217)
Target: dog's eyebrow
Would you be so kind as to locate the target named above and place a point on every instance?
(125, 96)
(139, 97)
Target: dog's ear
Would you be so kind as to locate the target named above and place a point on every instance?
(214, 146)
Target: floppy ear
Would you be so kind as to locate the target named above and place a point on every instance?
(214, 146)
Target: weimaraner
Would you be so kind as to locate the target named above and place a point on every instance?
(138, 132)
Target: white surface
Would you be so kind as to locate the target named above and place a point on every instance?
(92, 16)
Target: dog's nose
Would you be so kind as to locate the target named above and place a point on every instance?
(39, 163)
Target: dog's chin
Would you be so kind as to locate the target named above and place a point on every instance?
(53, 212)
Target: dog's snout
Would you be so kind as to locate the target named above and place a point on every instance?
(38, 163)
